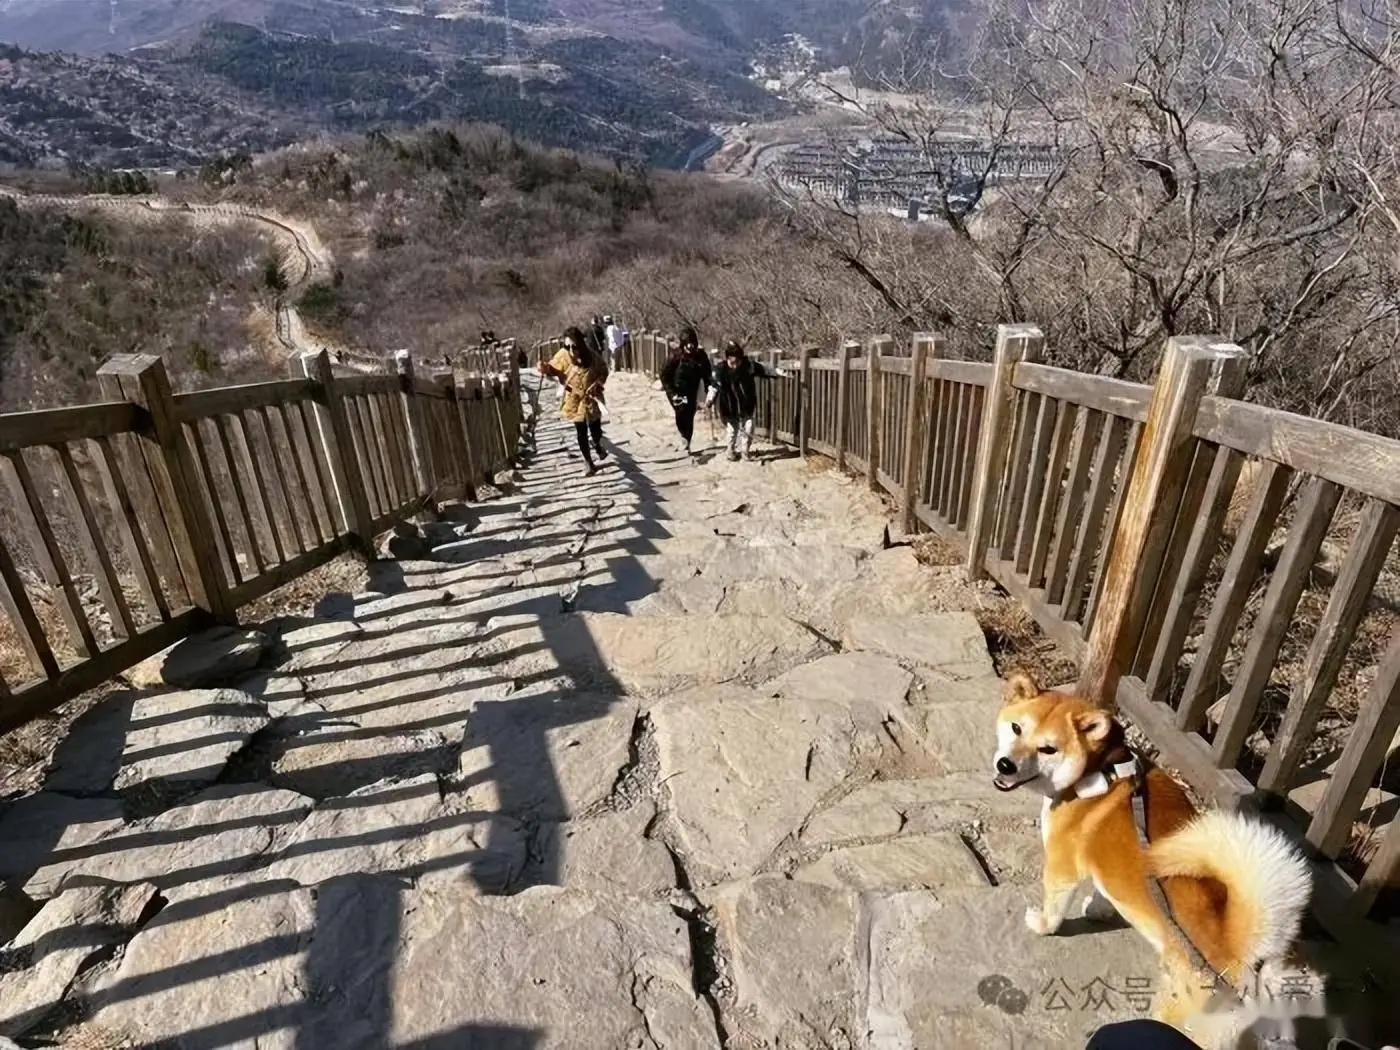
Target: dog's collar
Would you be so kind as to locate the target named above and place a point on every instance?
(1098, 783)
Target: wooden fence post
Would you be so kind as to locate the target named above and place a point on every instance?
(334, 428)
(141, 378)
(420, 450)
(1153, 492)
(461, 385)
(804, 397)
(1191, 548)
(925, 346)
(1015, 343)
(843, 394)
(874, 408)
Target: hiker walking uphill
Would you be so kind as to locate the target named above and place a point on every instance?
(583, 374)
(616, 337)
(683, 377)
(735, 391)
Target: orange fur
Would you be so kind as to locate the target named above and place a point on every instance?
(1061, 737)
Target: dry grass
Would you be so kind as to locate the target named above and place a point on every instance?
(932, 550)
(1017, 643)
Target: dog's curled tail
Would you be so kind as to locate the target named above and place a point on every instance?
(1266, 879)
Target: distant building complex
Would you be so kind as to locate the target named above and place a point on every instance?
(896, 174)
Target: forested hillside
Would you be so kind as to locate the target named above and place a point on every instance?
(77, 288)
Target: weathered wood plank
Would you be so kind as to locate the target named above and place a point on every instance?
(977, 398)
(1110, 448)
(424, 474)
(1286, 585)
(228, 554)
(1186, 752)
(964, 452)
(133, 535)
(289, 475)
(289, 570)
(337, 439)
(1052, 493)
(1013, 495)
(227, 400)
(89, 534)
(1206, 530)
(1035, 480)
(1354, 459)
(1345, 607)
(301, 424)
(15, 600)
(142, 379)
(253, 463)
(54, 426)
(359, 386)
(874, 411)
(1242, 569)
(1366, 749)
(1383, 873)
(367, 465)
(804, 401)
(1227, 377)
(926, 346)
(1067, 528)
(254, 530)
(1114, 397)
(1122, 470)
(399, 445)
(954, 421)
(968, 373)
(843, 397)
(38, 534)
(1154, 492)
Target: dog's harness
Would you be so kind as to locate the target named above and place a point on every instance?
(1129, 767)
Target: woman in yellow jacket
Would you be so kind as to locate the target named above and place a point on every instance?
(583, 374)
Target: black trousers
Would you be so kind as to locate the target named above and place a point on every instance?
(685, 419)
(593, 428)
(1139, 1034)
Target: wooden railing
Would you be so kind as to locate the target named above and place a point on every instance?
(185, 507)
(1100, 505)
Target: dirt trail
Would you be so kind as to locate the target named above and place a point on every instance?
(305, 259)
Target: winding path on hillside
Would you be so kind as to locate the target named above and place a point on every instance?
(305, 259)
(680, 755)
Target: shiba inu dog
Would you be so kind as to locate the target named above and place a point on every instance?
(1236, 887)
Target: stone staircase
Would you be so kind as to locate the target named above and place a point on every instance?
(678, 755)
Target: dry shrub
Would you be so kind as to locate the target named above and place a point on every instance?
(1017, 643)
(932, 550)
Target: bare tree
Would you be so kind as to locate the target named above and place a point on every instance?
(1222, 167)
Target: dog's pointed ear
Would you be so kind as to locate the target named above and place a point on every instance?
(1021, 686)
(1095, 724)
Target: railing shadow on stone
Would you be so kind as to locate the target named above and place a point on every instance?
(343, 958)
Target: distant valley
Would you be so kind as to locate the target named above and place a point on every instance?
(151, 83)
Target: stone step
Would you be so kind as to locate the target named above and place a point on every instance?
(367, 962)
(613, 653)
(919, 968)
(742, 770)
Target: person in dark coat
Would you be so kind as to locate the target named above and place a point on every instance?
(735, 392)
(682, 378)
(598, 337)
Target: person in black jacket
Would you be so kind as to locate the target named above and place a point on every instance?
(682, 378)
(735, 390)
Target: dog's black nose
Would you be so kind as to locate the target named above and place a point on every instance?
(1006, 767)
